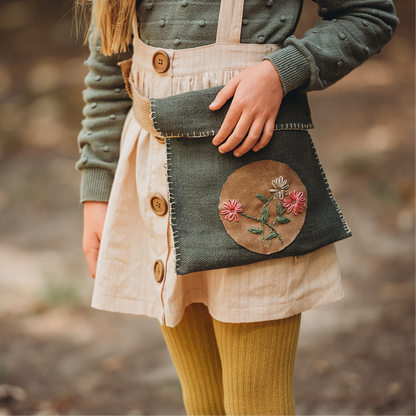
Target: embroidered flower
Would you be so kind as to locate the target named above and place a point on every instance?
(233, 208)
(296, 202)
(280, 185)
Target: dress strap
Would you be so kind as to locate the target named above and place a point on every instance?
(230, 20)
(135, 25)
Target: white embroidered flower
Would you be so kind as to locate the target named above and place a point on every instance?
(279, 187)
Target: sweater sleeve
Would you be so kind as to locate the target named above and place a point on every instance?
(106, 106)
(350, 32)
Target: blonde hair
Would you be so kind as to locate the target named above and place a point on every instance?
(113, 18)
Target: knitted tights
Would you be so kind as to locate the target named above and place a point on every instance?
(234, 369)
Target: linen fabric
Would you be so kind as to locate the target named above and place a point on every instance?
(134, 237)
(234, 369)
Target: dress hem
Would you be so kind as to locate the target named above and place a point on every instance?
(234, 315)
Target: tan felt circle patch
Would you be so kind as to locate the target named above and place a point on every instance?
(263, 206)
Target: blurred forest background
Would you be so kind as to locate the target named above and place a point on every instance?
(58, 356)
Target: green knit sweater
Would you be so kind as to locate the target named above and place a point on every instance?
(349, 32)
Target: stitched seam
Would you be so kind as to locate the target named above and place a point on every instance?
(328, 189)
(287, 126)
(153, 115)
(172, 211)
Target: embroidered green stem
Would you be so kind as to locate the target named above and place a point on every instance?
(281, 219)
(249, 216)
(273, 235)
(264, 217)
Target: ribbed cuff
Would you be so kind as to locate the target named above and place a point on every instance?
(292, 67)
(96, 184)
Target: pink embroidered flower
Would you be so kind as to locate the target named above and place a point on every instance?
(233, 208)
(295, 202)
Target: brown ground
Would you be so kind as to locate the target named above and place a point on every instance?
(355, 357)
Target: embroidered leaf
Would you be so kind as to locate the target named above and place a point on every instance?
(271, 235)
(264, 218)
(262, 198)
(282, 220)
(265, 214)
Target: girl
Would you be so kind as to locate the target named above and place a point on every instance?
(227, 285)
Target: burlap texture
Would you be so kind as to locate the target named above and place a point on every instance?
(125, 70)
(141, 106)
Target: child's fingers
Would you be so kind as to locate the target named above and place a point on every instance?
(94, 217)
(225, 94)
(266, 136)
(255, 102)
(92, 258)
(91, 246)
(252, 138)
(230, 121)
(240, 131)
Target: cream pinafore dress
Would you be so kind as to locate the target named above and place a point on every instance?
(136, 266)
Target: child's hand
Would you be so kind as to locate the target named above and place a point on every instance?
(258, 93)
(94, 216)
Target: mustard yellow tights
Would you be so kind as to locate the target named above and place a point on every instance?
(234, 369)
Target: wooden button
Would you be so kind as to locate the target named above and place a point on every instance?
(158, 271)
(159, 205)
(160, 139)
(160, 61)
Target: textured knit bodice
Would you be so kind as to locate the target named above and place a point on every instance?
(162, 23)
